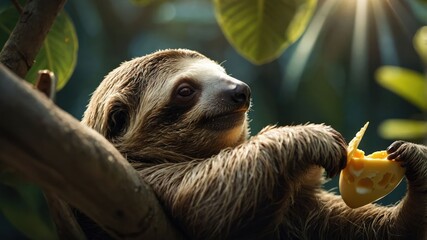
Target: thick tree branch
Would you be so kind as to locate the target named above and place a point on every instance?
(27, 37)
(53, 149)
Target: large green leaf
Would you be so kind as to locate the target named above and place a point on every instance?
(59, 52)
(260, 30)
(403, 129)
(408, 84)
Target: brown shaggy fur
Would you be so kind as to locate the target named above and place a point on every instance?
(217, 183)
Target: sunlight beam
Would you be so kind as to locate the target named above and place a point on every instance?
(358, 78)
(302, 53)
(359, 47)
(405, 17)
(386, 41)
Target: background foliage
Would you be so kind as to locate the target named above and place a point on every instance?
(340, 71)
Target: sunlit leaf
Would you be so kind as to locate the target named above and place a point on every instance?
(403, 129)
(420, 43)
(59, 52)
(408, 84)
(260, 30)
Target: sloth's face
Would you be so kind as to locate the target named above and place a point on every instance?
(209, 103)
(203, 91)
(172, 101)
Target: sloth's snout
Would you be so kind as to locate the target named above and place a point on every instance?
(241, 93)
(233, 94)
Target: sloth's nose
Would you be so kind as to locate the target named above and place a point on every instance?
(241, 93)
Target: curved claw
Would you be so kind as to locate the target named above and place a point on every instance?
(391, 150)
(395, 151)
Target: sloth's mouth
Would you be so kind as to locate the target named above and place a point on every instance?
(224, 121)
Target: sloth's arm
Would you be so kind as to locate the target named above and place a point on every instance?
(245, 189)
(407, 220)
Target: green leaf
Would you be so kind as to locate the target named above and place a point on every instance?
(59, 52)
(261, 30)
(403, 129)
(406, 83)
(420, 43)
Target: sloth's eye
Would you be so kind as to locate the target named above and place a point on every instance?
(185, 94)
(185, 91)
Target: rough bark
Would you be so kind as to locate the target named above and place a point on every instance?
(51, 148)
(27, 37)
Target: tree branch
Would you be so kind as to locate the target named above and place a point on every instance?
(27, 37)
(74, 162)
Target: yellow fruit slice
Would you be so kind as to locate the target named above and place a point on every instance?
(367, 178)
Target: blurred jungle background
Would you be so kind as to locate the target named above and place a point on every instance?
(355, 61)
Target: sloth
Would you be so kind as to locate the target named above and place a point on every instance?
(182, 122)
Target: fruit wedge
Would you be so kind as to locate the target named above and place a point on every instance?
(366, 179)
